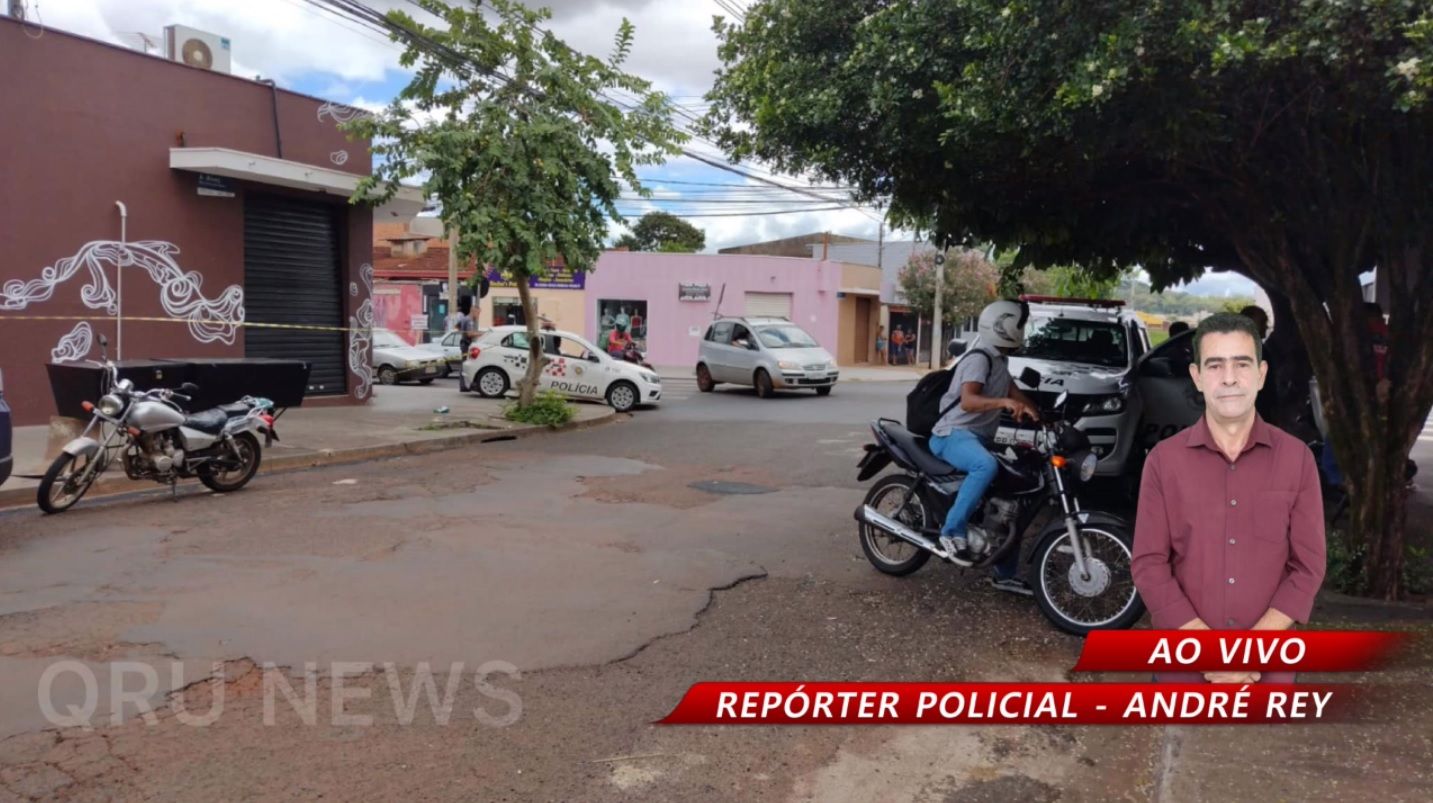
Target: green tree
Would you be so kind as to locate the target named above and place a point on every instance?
(518, 141)
(1287, 140)
(969, 282)
(664, 231)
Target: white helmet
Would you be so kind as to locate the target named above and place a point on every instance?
(1002, 324)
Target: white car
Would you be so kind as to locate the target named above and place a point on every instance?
(448, 349)
(576, 369)
(395, 361)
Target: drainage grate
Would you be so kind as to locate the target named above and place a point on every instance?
(720, 487)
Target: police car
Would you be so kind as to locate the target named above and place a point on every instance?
(576, 369)
(1087, 348)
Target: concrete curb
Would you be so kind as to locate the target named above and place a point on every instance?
(118, 485)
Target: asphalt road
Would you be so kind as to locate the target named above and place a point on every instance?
(574, 585)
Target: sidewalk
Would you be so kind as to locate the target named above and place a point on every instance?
(849, 373)
(398, 420)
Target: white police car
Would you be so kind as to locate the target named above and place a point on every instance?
(498, 359)
(1089, 349)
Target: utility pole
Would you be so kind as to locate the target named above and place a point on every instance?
(936, 340)
(452, 277)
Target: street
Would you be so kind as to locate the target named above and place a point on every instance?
(583, 581)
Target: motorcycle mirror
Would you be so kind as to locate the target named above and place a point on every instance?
(189, 388)
(1061, 399)
(1030, 378)
(956, 348)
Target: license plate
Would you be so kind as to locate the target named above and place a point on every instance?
(430, 370)
(816, 375)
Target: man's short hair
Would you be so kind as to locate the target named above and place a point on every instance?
(1228, 323)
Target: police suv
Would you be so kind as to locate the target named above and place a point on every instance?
(1087, 348)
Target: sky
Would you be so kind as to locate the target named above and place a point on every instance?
(310, 51)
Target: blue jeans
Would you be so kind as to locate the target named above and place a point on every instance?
(1332, 475)
(970, 453)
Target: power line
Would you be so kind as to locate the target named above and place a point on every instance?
(463, 65)
(756, 214)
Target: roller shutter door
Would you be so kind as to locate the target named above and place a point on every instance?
(768, 305)
(291, 276)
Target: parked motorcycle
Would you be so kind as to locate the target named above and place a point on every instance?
(1081, 563)
(156, 439)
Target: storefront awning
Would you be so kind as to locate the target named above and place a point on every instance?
(284, 173)
(861, 291)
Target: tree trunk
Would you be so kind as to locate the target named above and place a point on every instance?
(1370, 432)
(536, 360)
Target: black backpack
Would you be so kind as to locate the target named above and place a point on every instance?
(923, 410)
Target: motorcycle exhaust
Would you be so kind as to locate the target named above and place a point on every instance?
(890, 526)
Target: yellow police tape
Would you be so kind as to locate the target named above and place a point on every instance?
(208, 322)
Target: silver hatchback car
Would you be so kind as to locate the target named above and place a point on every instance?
(765, 353)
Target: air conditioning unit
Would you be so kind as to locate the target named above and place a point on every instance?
(197, 48)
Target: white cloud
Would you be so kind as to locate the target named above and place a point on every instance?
(275, 38)
(674, 48)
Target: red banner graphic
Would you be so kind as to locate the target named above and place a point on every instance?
(1010, 704)
(1217, 650)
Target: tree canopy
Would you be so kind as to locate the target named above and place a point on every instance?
(1288, 140)
(663, 231)
(518, 139)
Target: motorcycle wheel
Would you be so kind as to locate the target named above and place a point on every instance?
(65, 482)
(1106, 601)
(230, 480)
(888, 553)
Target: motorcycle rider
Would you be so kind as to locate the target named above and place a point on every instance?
(618, 341)
(964, 436)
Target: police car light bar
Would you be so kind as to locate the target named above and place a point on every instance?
(1083, 302)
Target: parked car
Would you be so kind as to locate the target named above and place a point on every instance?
(395, 361)
(449, 349)
(7, 457)
(1089, 349)
(576, 369)
(765, 353)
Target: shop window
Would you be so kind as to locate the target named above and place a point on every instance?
(508, 312)
(627, 314)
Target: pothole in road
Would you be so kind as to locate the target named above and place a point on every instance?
(724, 488)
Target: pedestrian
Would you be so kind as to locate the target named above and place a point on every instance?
(898, 346)
(466, 324)
(1229, 532)
(1267, 402)
(881, 345)
(1178, 328)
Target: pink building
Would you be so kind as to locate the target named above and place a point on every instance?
(668, 300)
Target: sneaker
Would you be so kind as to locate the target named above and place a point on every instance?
(1012, 585)
(952, 545)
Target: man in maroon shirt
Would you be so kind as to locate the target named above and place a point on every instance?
(1229, 533)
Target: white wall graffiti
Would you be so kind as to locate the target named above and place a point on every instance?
(210, 320)
(360, 334)
(340, 113)
(340, 158)
(74, 346)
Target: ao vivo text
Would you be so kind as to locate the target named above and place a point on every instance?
(1227, 650)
